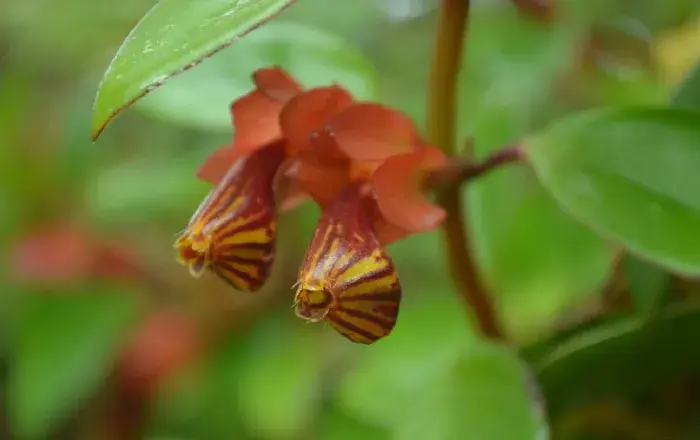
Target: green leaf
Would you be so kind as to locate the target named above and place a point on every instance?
(466, 387)
(64, 348)
(200, 402)
(537, 277)
(279, 379)
(431, 334)
(201, 97)
(173, 36)
(688, 93)
(487, 394)
(631, 176)
(623, 357)
(647, 284)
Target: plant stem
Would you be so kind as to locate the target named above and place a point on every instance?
(442, 107)
(460, 171)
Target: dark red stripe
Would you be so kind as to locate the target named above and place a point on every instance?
(263, 222)
(228, 258)
(225, 248)
(320, 242)
(392, 295)
(224, 199)
(206, 206)
(252, 281)
(365, 278)
(351, 327)
(385, 322)
(388, 309)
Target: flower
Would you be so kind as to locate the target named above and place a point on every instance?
(364, 163)
(164, 342)
(232, 232)
(347, 278)
(64, 253)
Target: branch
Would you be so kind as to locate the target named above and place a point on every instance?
(451, 28)
(464, 170)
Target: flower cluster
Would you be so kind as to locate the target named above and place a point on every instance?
(363, 163)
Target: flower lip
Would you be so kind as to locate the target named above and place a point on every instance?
(232, 233)
(312, 303)
(200, 243)
(193, 252)
(347, 279)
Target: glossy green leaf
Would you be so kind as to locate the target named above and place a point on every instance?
(648, 284)
(537, 277)
(631, 176)
(173, 36)
(201, 97)
(64, 348)
(621, 357)
(486, 394)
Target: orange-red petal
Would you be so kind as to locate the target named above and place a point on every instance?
(217, 164)
(308, 111)
(398, 188)
(368, 131)
(276, 84)
(388, 233)
(323, 181)
(256, 121)
(256, 115)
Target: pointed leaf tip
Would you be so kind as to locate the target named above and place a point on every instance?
(172, 37)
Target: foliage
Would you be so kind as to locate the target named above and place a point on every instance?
(588, 243)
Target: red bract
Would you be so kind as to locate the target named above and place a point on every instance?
(290, 144)
(67, 254)
(164, 342)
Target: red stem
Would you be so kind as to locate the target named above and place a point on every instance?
(442, 106)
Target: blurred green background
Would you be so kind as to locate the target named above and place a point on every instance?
(104, 336)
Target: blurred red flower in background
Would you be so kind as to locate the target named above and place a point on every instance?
(66, 253)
